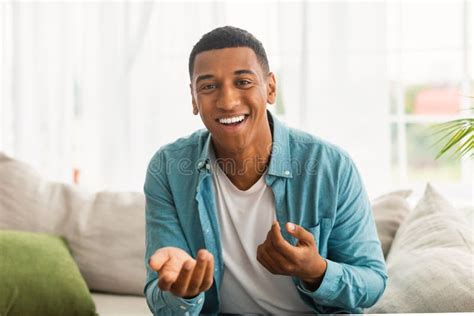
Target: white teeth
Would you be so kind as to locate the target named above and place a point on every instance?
(231, 120)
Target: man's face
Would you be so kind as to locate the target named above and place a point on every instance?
(230, 91)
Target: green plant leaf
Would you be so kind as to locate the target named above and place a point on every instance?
(460, 135)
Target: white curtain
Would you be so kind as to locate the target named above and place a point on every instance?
(334, 75)
(99, 87)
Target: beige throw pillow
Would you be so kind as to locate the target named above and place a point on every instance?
(390, 210)
(430, 265)
(105, 230)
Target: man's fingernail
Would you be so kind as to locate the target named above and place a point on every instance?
(291, 226)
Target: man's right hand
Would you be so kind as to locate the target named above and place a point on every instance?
(180, 273)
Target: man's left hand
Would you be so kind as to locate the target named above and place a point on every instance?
(302, 260)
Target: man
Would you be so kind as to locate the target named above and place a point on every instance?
(250, 216)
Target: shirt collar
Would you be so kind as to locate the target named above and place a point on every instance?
(280, 161)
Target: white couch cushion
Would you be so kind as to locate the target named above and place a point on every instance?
(430, 265)
(105, 230)
(112, 305)
(390, 210)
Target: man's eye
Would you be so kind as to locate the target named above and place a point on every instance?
(243, 82)
(208, 87)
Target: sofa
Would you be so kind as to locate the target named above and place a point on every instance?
(428, 248)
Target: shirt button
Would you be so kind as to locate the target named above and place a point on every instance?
(287, 173)
(208, 166)
(182, 307)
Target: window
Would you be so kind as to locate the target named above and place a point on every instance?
(429, 59)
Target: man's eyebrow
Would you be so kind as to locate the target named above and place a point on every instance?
(203, 77)
(237, 72)
(244, 71)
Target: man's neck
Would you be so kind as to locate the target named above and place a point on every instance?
(245, 166)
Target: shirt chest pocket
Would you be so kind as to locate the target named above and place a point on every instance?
(321, 235)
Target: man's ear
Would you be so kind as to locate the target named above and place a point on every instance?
(195, 108)
(271, 88)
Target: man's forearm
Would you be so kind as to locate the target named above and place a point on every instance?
(348, 287)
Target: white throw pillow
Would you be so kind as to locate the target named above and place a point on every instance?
(105, 231)
(390, 210)
(430, 265)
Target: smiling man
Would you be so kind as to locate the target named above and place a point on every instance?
(248, 215)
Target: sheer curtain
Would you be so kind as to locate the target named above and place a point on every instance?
(98, 87)
(36, 87)
(334, 76)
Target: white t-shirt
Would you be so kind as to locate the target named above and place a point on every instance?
(245, 218)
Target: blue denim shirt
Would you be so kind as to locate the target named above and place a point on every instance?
(315, 185)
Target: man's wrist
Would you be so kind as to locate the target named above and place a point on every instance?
(312, 284)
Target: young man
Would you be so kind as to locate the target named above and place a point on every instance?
(250, 216)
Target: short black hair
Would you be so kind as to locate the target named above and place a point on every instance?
(226, 37)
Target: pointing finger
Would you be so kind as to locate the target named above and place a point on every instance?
(303, 236)
(280, 244)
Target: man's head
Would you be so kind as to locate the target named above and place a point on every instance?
(227, 37)
(230, 87)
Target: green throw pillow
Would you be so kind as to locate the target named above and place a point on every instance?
(38, 276)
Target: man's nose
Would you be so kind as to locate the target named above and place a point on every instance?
(228, 98)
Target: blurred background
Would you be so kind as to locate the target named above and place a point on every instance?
(90, 90)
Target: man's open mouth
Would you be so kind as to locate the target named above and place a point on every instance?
(234, 120)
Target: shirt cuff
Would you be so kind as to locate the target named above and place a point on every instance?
(158, 299)
(329, 287)
(182, 304)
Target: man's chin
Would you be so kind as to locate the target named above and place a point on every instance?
(231, 144)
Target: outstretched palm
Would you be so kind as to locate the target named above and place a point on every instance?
(181, 274)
